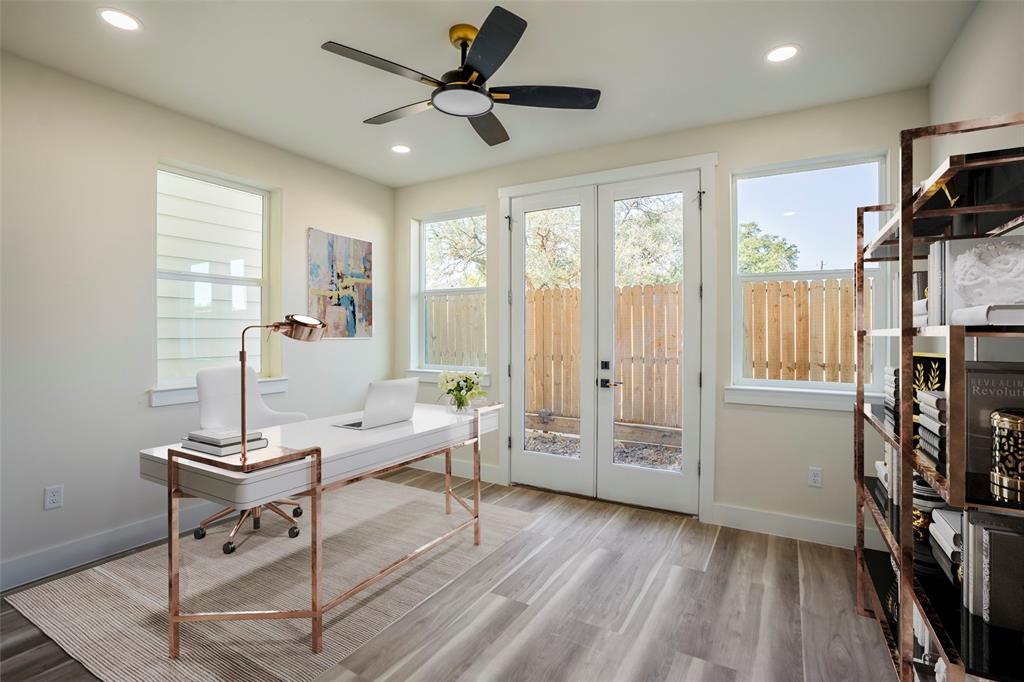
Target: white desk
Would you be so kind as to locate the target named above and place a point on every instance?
(326, 458)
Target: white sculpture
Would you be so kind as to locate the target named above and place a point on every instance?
(991, 273)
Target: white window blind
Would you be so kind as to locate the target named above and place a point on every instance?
(210, 268)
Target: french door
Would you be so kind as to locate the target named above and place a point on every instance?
(605, 340)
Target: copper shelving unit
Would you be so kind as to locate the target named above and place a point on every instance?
(921, 219)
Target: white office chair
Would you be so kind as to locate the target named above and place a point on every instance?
(219, 407)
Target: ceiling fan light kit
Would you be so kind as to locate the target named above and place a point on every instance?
(463, 92)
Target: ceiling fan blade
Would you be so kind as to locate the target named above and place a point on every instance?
(400, 112)
(380, 63)
(551, 96)
(494, 42)
(489, 128)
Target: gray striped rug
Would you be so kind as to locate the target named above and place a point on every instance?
(112, 618)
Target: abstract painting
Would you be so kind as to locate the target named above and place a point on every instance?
(340, 283)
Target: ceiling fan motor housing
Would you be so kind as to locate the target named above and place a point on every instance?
(458, 97)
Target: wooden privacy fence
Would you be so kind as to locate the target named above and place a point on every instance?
(648, 353)
(802, 329)
(456, 327)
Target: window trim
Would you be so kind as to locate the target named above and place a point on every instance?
(419, 345)
(263, 282)
(788, 392)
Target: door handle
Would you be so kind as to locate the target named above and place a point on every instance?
(608, 383)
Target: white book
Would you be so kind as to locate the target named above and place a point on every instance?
(932, 425)
(882, 473)
(944, 542)
(226, 450)
(921, 320)
(981, 315)
(921, 307)
(949, 522)
(221, 436)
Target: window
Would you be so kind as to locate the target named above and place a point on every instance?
(793, 279)
(210, 251)
(453, 267)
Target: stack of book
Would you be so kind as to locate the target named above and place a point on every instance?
(946, 542)
(222, 442)
(931, 426)
(892, 399)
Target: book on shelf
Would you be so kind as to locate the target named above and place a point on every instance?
(975, 524)
(982, 315)
(948, 549)
(221, 436)
(921, 307)
(990, 386)
(933, 399)
(936, 427)
(937, 458)
(936, 442)
(882, 473)
(1003, 579)
(937, 415)
(226, 450)
(949, 569)
(949, 522)
(920, 320)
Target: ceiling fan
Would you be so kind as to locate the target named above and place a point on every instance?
(464, 91)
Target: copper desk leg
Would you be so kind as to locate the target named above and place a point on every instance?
(316, 554)
(448, 481)
(476, 480)
(173, 606)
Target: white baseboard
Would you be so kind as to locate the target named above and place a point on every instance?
(490, 473)
(28, 567)
(790, 526)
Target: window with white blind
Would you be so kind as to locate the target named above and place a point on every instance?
(210, 260)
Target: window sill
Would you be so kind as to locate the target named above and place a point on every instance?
(806, 398)
(161, 396)
(429, 376)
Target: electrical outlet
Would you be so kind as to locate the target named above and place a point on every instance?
(53, 497)
(815, 478)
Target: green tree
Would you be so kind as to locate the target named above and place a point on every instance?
(456, 253)
(762, 252)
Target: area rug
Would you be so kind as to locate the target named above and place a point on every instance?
(112, 618)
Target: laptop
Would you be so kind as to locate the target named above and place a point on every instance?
(387, 402)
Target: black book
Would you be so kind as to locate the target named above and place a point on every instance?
(945, 563)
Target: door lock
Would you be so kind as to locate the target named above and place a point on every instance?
(608, 383)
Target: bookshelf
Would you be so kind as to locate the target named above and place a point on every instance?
(966, 644)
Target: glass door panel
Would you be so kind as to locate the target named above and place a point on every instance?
(648, 331)
(552, 374)
(552, 281)
(649, 271)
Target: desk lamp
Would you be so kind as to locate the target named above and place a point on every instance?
(298, 327)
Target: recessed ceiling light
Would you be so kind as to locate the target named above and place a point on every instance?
(789, 213)
(401, 149)
(119, 19)
(782, 53)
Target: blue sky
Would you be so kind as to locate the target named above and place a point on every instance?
(815, 209)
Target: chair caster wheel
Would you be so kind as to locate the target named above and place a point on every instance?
(199, 533)
(293, 532)
(297, 512)
(229, 547)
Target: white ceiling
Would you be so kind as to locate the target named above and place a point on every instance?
(257, 67)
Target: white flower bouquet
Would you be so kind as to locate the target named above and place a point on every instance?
(460, 387)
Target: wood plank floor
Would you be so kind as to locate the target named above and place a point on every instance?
(598, 591)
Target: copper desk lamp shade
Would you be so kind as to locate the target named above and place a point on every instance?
(298, 327)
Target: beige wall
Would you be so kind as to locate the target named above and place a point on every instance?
(762, 452)
(982, 75)
(79, 220)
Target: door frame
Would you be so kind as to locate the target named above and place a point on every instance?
(707, 164)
